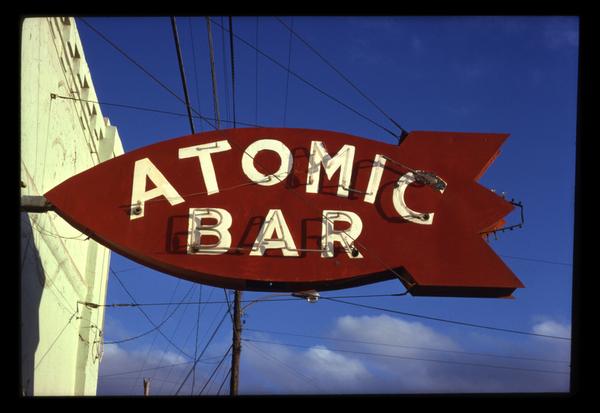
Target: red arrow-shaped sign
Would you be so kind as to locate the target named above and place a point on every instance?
(297, 209)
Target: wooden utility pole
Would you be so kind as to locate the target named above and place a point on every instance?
(146, 387)
(236, 345)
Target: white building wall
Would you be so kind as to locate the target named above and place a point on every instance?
(60, 338)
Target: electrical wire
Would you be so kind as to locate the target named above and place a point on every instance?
(225, 69)
(196, 83)
(271, 357)
(261, 300)
(232, 68)
(215, 370)
(256, 74)
(182, 74)
(413, 358)
(148, 317)
(336, 70)
(155, 110)
(318, 89)
(189, 335)
(505, 330)
(148, 352)
(202, 353)
(407, 347)
(154, 328)
(138, 65)
(157, 326)
(213, 74)
(174, 332)
(223, 383)
(287, 78)
(58, 336)
(566, 264)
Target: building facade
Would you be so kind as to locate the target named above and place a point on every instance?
(62, 133)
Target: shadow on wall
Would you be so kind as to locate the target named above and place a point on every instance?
(33, 280)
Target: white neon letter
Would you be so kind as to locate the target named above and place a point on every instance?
(345, 237)
(423, 218)
(197, 230)
(342, 160)
(267, 145)
(375, 179)
(274, 223)
(144, 168)
(203, 152)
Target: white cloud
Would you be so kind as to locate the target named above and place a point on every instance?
(552, 328)
(411, 339)
(350, 363)
(141, 363)
(386, 329)
(335, 369)
(414, 369)
(276, 368)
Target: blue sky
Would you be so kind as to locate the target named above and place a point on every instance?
(483, 74)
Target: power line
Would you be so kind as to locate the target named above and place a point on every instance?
(202, 353)
(268, 356)
(413, 358)
(225, 69)
(123, 373)
(117, 305)
(506, 330)
(181, 318)
(155, 110)
(58, 336)
(189, 334)
(232, 68)
(223, 383)
(336, 299)
(154, 328)
(213, 74)
(256, 74)
(566, 264)
(215, 370)
(155, 336)
(138, 65)
(318, 89)
(148, 317)
(328, 63)
(407, 347)
(191, 26)
(287, 78)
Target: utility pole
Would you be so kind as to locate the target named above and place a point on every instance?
(146, 387)
(236, 345)
(237, 305)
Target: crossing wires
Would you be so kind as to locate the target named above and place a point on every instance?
(339, 72)
(310, 84)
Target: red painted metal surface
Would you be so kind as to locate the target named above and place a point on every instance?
(447, 258)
